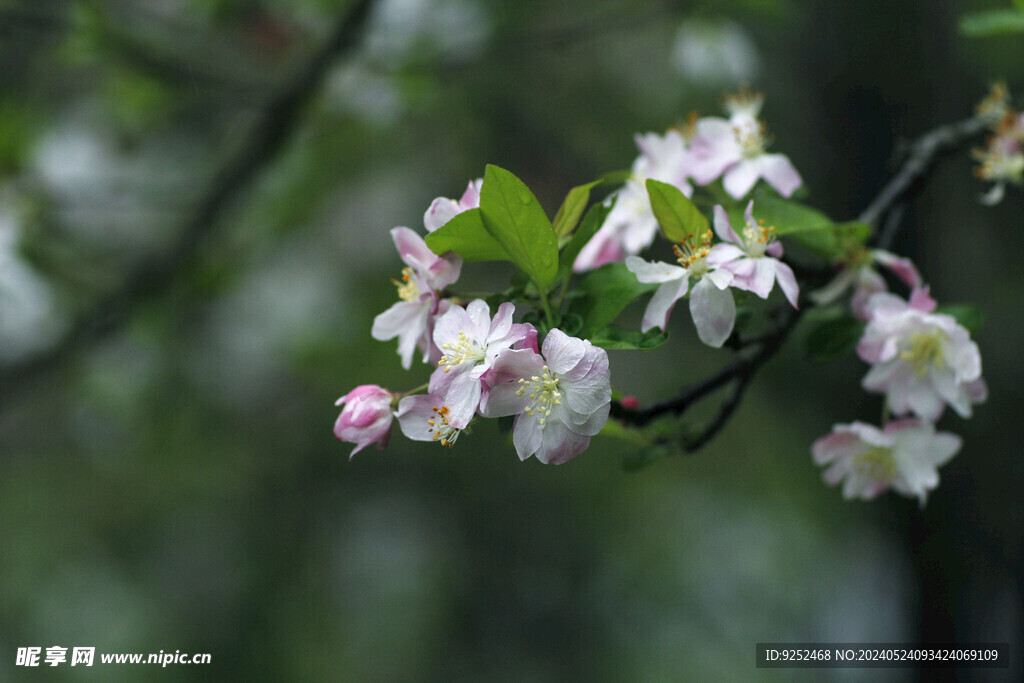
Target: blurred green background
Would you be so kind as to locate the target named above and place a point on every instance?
(194, 243)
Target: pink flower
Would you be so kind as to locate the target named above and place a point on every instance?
(734, 149)
(412, 318)
(920, 360)
(904, 457)
(366, 417)
(860, 274)
(753, 257)
(470, 341)
(711, 302)
(560, 399)
(631, 226)
(442, 209)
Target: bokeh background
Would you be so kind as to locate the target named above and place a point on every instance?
(195, 198)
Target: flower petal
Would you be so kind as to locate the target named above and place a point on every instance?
(713, 311)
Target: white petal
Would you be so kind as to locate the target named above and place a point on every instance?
(741, 178)
(778, 171)
(714, 313)
(660, 306)
(653, 271)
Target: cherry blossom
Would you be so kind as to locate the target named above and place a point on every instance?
(904, 456)
(711, 302)
(424, 417)
(560, 399)
(412, 318)
(858, 273)
(470, 341)
(1002, 159)
(753, 257)
(734, 149)
(443, 209)
(631, 225)
(366, 417)
(921, 360)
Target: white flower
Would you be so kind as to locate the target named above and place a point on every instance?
(412, 318)
(734, 149)
(711, 302)
(470, 341)
(904, 457)
(920, 360)
(560, 399)
(858, 272)
(631, 226)
(753, 257)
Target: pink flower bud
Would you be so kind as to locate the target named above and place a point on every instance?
(366, 417)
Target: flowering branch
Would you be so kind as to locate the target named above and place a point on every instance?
(557, 386)
(154, 275)
(890, 204)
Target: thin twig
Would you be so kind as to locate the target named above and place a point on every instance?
(154, 275)
(922, 154)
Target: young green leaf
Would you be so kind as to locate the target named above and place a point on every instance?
(613, 337)
(516, 221)
(571, 210)
(606, 292)
(678, 216)
(967, 315)
(788, 216)
(466, 236)
(834, 336)
(993, 22)
(592, 221)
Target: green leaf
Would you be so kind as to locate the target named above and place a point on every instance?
(835, 335)
(571, 210)
(993, 22)
(967, 315)
(679, 218)
(614, 337)
(592, 221)
(466, 236)
(516, 221)
(606, 291)
(834, 241)
(788, 216)
(634, 461)
(618, 177)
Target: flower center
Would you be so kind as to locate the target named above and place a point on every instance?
(998, 164)
(876, 463)
(407, 289)
(751, 137)
(691, 254)
(925, 351)
(460, 351)
(543, 393)
(440, 430)
(756, 238)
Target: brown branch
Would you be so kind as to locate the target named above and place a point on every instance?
(921, 157)
(154, 275)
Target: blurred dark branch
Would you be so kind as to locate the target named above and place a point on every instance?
(753, 355)
(921, 156)
(154, 275)
(884, 214)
